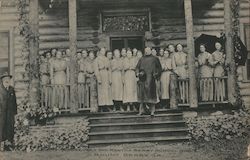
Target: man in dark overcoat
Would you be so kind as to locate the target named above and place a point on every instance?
(148, 70)
(8, 108)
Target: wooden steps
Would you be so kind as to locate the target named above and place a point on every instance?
(139, 131)
(118, 128)
(132, 118)
(136, 140)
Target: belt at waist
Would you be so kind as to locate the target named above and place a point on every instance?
(183, 65)
(47, 74)
(116, 70)
(130, 70)
(90, 72)
(56, 72)
(103, 69)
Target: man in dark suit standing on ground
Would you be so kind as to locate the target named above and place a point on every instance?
(8, 109)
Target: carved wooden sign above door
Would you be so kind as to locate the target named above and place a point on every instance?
(125, 20)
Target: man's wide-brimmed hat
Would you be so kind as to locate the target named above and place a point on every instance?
(5, 75)
(142, 75)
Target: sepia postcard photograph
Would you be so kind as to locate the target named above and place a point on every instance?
(124, 79)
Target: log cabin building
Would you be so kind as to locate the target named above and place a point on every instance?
(92, 24)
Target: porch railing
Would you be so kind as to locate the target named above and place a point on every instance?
(183, 91)
(179, 91)
(212, 89)
(57, 97)
(83, 96)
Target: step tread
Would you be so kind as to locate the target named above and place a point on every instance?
(50, 126)
(135, 116)
(176, 129)
(172, 110)
(136, 123)
(131, 140)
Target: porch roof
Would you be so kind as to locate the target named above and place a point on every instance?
(169, 4)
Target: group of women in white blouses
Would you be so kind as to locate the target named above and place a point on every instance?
(108, 80)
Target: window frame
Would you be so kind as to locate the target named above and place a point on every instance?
(11, 49)
(125, 39)
(243, 24)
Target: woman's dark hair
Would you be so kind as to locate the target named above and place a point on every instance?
(108, 51)
(203, 44)
(92, 52)
(171, 44)
(52, 49)
(178, 44)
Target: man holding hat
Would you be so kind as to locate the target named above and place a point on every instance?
(8, 108)
(148, 70)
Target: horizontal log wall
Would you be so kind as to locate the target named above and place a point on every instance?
(242, 72)
(168, 23)
(171, 26)
(54, 29)
(9, 16)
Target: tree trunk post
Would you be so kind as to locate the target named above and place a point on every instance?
(34, 87)
(73, 49)
(191, 54)
(229, 48)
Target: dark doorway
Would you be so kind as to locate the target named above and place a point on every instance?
(126, 42)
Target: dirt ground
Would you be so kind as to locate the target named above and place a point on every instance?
(139, 151)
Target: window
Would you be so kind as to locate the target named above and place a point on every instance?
(247, 43)
(126, 42)
(4, 52)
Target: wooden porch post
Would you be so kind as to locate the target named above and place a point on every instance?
(193, 100)
(73, 49)
(229, 48)
(34, 87)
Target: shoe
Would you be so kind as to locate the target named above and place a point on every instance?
(139, 114)
(121, 109)
(2, 146)
(128, 108)
(134, 109)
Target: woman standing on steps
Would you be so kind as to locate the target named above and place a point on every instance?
(117, 81)
(45, 80)
(59, 78)
(166, 63)
(205, 61)
(123, 57)
(179, 64)
(102, 72)
(219, 71)
(109, 55)
(130, 90)
(171, 50)
(80, 79)
(91, 83)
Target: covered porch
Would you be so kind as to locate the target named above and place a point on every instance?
(81, 24)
